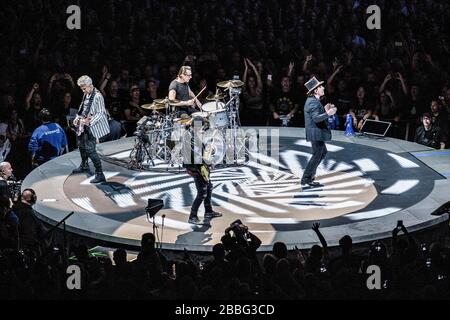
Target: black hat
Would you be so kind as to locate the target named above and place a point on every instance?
(312, 84)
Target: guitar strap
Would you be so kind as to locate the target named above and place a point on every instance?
(84, 112)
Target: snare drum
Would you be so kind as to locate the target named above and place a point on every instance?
(213, 106)
(218, 119)
(203, 115)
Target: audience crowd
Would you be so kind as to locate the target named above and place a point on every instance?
(133, 49)
(235, 271)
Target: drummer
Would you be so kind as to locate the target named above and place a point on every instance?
(179, 90)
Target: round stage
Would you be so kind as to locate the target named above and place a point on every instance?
(369, 184)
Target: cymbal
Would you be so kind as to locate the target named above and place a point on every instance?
(212, 97)
(166, 101)
(153, 106)
(230, 84)
(183, 121)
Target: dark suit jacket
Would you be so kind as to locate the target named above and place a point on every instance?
(316, 124)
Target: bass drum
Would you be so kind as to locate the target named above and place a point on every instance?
(213, 106)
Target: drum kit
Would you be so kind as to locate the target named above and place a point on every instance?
(159, 136)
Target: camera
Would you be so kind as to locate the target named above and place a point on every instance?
(234, 226)
(423, 246)
(240, 231)
(14, 187)
(376, 247)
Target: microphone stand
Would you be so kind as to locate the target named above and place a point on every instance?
(63, 222)
(162, 231)
(154, 226)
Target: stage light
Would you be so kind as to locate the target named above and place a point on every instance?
(153, 206)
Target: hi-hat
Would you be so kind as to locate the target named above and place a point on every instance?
(230, 84)
(213, 97)
(183, 121)
(153, 106)
(166, 101)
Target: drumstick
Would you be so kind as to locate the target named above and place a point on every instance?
(195, 98)
(200, 92)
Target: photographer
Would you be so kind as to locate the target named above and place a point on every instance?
(240, 242)
(30, 229)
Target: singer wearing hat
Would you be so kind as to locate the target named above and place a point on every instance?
(316, 128)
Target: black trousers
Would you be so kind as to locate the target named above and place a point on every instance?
(86, 144)
(204, 192)
(319, 151)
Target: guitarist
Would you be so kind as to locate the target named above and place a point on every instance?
(92, 124)
(200, 171)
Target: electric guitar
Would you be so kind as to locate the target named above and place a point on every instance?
(79, 124)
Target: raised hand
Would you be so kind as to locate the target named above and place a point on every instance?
(291, 65)
(316, 226)
(403, 228)
(349, 57)
(36, 86)
(250, 63)
(309, 57)
(335, 64)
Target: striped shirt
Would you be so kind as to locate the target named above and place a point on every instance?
(99, 119)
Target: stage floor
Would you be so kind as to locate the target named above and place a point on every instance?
(368, 185)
